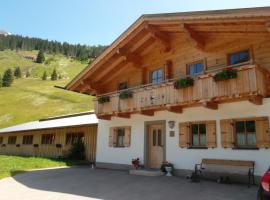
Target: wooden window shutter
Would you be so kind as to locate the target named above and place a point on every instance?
(112, 137)
(127, 136)
(262, 132)
(184, 135)
(211, 134)
(227, 133)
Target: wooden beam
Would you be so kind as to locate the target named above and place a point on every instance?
(122, 115)
(160, 36)
(257, 99)
(104, 117)
(129, 57)
(147, 112)
(175, 109)
(210, 105)
(196, 40)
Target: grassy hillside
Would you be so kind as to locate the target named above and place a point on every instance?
(31, 98)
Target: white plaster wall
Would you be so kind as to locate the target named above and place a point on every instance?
(183, 158)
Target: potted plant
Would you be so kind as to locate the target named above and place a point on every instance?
(167, 168)
(226, 74)
(136, 163)
(183, 83)
(126, 94)
(103, 99)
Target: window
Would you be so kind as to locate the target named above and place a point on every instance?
(72, 138)
(157, 137)
(245, 133)
(195, 69)
(198, 135)
(156, 76)
(12, 139)
(239, 57)
(120, 137)
(122, 86)
(28, 139)
(47, 139)
(1, 140)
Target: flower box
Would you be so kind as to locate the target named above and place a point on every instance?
(183, 83)
(126, 94)
(103, 99)
(226, 75)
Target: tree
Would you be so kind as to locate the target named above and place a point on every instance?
(40, 57)
(27, 74)
(0, 81)
(44, 76)
(7, 78)
(18, 72)
(54, 75)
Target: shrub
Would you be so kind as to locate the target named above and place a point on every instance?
(103, 99)
(126, 94)
(183, 83)
(226, 74)
(8, 78)
(77, 151)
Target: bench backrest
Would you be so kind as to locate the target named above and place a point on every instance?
(237, 163)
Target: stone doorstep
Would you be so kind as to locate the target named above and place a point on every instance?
(145, 172)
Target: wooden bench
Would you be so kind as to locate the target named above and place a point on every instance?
(225, 168)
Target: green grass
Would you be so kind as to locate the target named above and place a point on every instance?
(12, 165)
(30, 99)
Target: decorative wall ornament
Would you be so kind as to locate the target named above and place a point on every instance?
(171, 124)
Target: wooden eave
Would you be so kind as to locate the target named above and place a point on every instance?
(115, 58)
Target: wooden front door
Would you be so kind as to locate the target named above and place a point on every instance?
(156, 145)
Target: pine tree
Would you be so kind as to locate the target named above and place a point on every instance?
(40, 57)
(0, 81)
(7, 78)
(54, 75)
(60, 77)
(27, 74)
(18, 72)
(44, 76)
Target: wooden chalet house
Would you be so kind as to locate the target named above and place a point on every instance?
(182, 87)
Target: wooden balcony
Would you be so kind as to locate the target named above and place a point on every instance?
(250, 84)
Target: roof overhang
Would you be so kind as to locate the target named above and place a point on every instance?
(118, 53)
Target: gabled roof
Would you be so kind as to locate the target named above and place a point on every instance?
(78, 119)
(100, 63)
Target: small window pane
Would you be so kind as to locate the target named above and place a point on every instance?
(195, 69)
(159, 138)
(203, 139)
(250, 126)
(194, 128)
(157, 76)
(240, 127)
(234, 59)
(241, 139)
(239, 57)
(243, 56)
(154, 137)
(251, 139)
(202, 128)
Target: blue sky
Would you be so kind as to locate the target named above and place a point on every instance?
(94, 21)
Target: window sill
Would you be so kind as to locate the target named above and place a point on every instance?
(245, 148)
(197, 147)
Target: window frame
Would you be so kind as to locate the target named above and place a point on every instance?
(27, 139)
(199, 134)
(203, 62)
(238, 53)
(246, 146)
(10, 141)
(46, 140)
(151, 76)
(117, 145)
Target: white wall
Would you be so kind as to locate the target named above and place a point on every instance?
(183, 158)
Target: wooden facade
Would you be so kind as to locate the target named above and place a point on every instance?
(58, 147)
(172, 42)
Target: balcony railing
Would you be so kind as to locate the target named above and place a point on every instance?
(250, 81)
